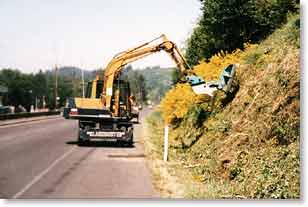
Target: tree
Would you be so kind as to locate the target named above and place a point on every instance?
(175, 75)
(40, 89)
(20, 87)
(228, 24)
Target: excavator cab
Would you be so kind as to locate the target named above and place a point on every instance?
(121, 98)
(121, 104)
(97, 86)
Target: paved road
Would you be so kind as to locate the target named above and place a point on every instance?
(40, 159)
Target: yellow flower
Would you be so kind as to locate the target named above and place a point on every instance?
(177, 101)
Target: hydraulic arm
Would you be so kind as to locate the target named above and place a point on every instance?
(156, 45)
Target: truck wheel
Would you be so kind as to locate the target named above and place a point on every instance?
(130, 140)
(82, 142)
(80, 139)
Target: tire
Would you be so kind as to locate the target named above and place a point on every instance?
(80, 140)
(130, 141)
(120, 143)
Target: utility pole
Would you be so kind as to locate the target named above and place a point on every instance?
(82, 75)
(35, 103)
(56, 87)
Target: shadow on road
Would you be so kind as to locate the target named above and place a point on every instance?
(100, 143)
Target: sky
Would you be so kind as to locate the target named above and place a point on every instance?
(38, 34)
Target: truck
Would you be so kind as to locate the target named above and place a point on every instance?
(106, 111)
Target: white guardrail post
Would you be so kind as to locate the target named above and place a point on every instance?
(166, 143)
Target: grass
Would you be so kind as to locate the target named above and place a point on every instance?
(250, 148)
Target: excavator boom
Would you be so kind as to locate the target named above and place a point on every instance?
(123, 58)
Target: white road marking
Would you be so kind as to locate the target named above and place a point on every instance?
(39, 176)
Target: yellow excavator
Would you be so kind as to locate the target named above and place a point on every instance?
(106, 110)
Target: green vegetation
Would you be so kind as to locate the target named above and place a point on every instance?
(227, 25)
(157, 82)
(23, 89)
(249, 148)
(146, 84)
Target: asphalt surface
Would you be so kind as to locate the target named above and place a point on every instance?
(41, 159)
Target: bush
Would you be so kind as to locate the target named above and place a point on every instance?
(190, 129)
(180, 98)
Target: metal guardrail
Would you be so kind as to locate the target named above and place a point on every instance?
(27, 114)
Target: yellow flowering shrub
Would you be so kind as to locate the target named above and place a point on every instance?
(211, 70)
(177, 100)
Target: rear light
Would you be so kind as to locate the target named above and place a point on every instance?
(74, 111)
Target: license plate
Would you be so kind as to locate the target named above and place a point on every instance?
(105, 134)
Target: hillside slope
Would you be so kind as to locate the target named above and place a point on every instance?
(158, 80)
(251, 147)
